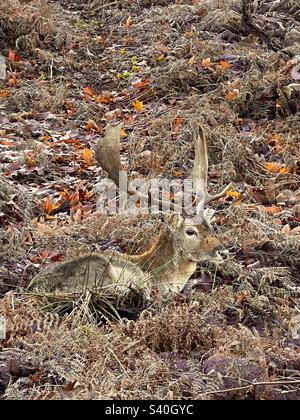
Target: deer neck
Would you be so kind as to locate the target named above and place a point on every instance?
(166, 264)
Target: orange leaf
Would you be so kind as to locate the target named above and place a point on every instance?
(88, 91)
(13, 56)
(103, 99)
(231, 95)
(138, 105)
(224, 64)
(12, 82)
(233, 194)
(4, 93)
(206, 62)
(273, 209)
(177, 172)
(128, 22)
(47, 205)
(176, 125)
(276, 168)
(241, 298)
(7, 143)
(123, 133)
(91, 125)
(284, 170)
(143, 83)
(87, 154)
(30, 161)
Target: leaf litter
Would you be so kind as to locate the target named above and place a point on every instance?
(159, 68)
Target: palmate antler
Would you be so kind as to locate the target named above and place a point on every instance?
(107, 153)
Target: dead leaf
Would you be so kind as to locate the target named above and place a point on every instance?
(232, 94)
(47, 205)
(206, 62)
(43, 229)
(13, 56)
(273, 209)
(138, 105)
(276, 168)
(234, 194)
(87, 154)
(160, 57)
(105, 99)
(4, 93)
(128, 22)
(88, 91)
(241, 298)
(91, 125)
(224, 64)
(143, 83)
(29, 160)
(176, 125)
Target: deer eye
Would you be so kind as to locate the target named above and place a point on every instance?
(191, 232)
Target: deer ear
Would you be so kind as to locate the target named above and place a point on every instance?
(173, 221)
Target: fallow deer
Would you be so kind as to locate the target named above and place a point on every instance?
(172, 259)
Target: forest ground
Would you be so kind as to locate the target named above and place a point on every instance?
(159, 67)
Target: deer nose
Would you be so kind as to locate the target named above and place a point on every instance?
(222, 251)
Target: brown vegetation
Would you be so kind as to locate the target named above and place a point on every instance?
(234, 332)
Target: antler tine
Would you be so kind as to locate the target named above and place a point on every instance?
(200, 170)
(107, 152)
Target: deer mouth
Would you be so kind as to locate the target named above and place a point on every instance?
(218, 257)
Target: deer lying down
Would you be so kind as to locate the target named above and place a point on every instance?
(168, 264)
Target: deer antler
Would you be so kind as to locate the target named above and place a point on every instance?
(107, 153)
(200, 170)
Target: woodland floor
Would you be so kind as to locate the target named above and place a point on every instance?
(73, 67)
